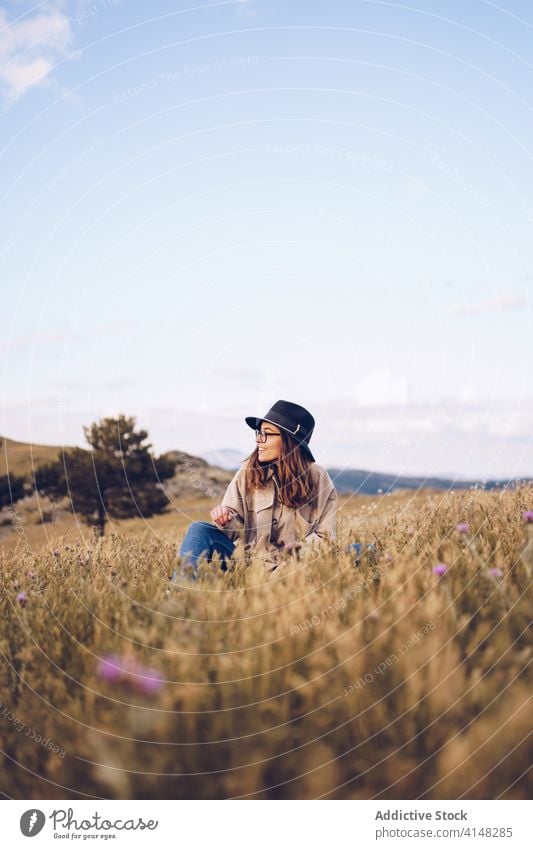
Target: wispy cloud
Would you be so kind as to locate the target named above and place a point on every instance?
(239, 374)
(30, 46)
(247, 8)
(381, 387)
(501, 303)
(43, 342)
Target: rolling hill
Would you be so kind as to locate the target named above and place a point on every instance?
(19, 458)
(193, 475)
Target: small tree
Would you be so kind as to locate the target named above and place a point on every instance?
(49, 480)
(118, 478)
(11, 489)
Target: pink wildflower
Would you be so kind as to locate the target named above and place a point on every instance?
(22, 598)
(463, 528)
(440, 569)
(129, 673)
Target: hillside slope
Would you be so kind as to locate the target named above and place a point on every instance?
(193, 475)
(19, 458)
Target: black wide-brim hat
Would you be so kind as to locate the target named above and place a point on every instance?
(292, 419)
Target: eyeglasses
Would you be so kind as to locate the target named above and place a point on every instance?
(263, 435)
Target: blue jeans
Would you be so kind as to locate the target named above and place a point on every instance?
(202, 538)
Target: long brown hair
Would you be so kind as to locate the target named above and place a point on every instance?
(296, 484)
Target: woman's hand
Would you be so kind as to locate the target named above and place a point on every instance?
(222, 515)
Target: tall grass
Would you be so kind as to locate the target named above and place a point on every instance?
(382, 680)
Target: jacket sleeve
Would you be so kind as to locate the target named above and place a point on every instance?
(326, 527)
(233, 498)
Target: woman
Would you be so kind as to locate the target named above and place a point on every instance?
(279, 500)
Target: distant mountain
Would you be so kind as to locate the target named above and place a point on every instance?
(224, 458)
(194, 476)
(372, 483)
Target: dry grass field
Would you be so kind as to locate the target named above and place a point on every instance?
(406, 676)
(41, 523)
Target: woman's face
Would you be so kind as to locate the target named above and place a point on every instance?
(270, 449)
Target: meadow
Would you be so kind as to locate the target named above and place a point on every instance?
(405, 676)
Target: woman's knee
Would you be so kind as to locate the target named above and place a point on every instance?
(201, 525)
(199, 528)
(204, 535)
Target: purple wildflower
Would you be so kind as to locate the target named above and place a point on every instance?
(22, 598)
(463, 528)
(440, 569)
(130, 673)
(495, 573)
(527, 516)
(30, 574)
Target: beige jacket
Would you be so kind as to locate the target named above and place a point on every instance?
(263, 524)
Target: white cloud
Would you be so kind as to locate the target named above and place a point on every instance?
(247, 8)
(415, 187)
(380, 387)
(240, 375)
(30, 46)
(480, 437)
(44, 343)
(501, 303)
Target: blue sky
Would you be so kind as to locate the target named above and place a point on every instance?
(208, 208)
